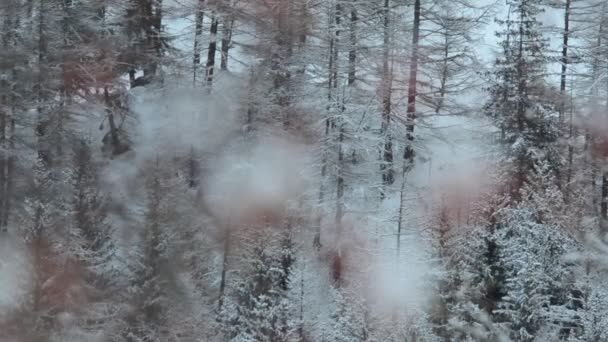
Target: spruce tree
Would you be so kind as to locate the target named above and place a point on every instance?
(527, 121)
(259, 309)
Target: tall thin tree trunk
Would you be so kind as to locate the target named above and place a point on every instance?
(8, 109)
(317, 235)
(401, 209)
(408, 154)
(329, 124)
(444, 72)
(198, 33)
(386, 167)
(211, 51)
(10, 164)
(564, 60)
(193, 169)
(281, 74)
(145, 11)
(9, 100)
(301, 323)
(340, 105)
(226, 252)
(562, 90)
(336, 45)
(114, 136)
(158, 36)
(251, 103)
(604, 201)
(227, 24)
(4, 152)
(340, 179)
(4, 105)
(352, 53)
(412, 90)
(589, 137)
(41, 93)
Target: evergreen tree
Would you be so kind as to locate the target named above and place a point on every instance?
(528, 123)
(539, 285)
(348, 321)
(259, 310)
(92, 234)
(149, 317)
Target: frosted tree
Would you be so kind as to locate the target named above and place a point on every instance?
(91, 234)
(528, 123)
(348, 321)
(540, 295)
(258, 309)
(450, 62)
(152, 282)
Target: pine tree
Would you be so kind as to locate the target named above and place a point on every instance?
(538, 284)
(90, 232)
(528, 123)
(259, 310)
(151, 276)
(348, 320)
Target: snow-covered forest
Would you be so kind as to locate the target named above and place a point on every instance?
(303, 170)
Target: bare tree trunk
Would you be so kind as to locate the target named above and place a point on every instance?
(198, 33)
(386, 167)
(317, 236)
(226, 252)
(352, 53)
(336, 46)
(3, 153)
(301, 323)
(211, 51)
(340, 180)
(4, 105)
(41, 93)
(604, 202)
(117, 147)
(251, 103)
(401, 209)
(412, 92)
(10, 163)
(408, 154)
(8, 109)
(562, 90)
(444, 73)
(158, 38)
(148, 23)
(595, 91)
(193, 169)
(329, 122)
(339, 174)
(564, 61)
(227, 24)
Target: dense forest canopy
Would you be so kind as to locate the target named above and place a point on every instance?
(303, 170)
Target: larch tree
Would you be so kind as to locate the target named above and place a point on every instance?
(410, 119)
